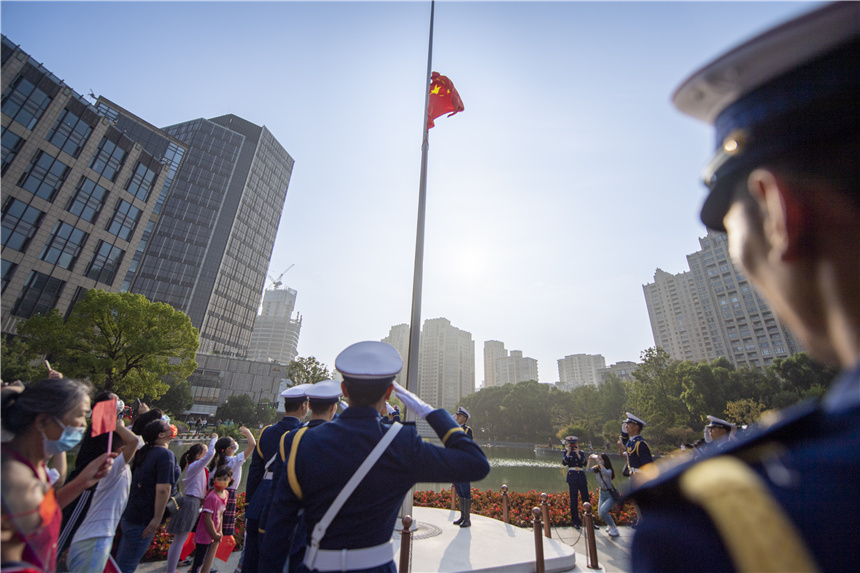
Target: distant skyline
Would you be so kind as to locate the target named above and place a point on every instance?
(566, 182)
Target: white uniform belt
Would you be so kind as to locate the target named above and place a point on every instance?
(575, 469)
(351, 559)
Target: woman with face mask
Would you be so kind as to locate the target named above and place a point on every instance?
(44, 419)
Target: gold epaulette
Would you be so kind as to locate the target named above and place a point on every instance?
(757, 533)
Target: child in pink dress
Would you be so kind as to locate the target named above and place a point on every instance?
(208, 534)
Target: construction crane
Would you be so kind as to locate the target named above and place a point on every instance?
(277, 282)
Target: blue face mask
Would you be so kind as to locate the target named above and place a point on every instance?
(71, 437)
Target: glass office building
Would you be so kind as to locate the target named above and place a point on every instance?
(209, 253)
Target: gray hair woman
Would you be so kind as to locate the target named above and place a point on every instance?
(45, 419)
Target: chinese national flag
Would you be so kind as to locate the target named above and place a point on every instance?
(443, 98)
(104, 417)
(225, 548)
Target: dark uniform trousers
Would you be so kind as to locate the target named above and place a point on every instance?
(328, 455)
(789, 501)
(257, 488)
(576, 483)
(464, 489)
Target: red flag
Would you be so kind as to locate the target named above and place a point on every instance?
(443, 98)
(104, 417)
(187, 547)
(225, 548)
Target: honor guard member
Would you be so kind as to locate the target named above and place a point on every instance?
(636, 449)
(261, 472)
(464, 489)
(323, 398)
(719, 432)
(575, 460)
(350, 476)
(785, 186)
(393, 414)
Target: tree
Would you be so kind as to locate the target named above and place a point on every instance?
(238, 408)
(267, 412)
(177, 399)
(119, 341)
(307, 371)
(799, 373)
(745, 411)
(17, 363)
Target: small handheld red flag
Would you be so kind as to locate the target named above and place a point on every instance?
(104, 417)
(444, 98)
(225, 548)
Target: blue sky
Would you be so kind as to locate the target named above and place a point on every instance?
(568, 179)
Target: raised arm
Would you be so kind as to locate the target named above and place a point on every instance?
(252, 443)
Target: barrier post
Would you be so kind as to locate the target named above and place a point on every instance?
(406, 545)
(506, 517)
(539, 564)
(544, 508)
(591, 542)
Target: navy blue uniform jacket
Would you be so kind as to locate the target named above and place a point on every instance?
(329, 454)
(267, 446)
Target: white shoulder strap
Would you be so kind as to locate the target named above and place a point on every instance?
(271, 461)
(357, 477)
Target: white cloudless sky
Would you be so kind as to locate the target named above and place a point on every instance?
(568, 179)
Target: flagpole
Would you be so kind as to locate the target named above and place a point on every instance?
(418, 273)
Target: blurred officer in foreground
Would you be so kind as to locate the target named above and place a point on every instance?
(464, 489)
(785, 185)
(350, 475)
(261, 472)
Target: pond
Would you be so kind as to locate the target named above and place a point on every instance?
(520, 468)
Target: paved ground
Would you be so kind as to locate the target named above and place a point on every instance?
(488, 546)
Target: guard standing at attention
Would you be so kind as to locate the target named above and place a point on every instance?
(464, 489)
(785, 186)
(636, 449)
(719, 432)
(577, 483)
(349, 476)
(262, 470)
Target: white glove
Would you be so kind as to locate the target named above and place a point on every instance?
(412, 402)
(389, 408)
(344, 405)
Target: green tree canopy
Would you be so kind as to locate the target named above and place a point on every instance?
(177, 399)
(238, 408)
(307, 371)
(119, 341)
(17, 362)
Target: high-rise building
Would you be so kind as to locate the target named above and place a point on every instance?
(493, 350)
(81, 191)
(211, 248)
(446, 364)
(713, 310)
(579, 369)
(623, 370)
(515, 368)
(275, 337)
(398, 337)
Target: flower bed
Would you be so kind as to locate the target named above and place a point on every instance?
(489, 504)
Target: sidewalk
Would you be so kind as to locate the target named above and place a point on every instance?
(489, 546)
(613, 553)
